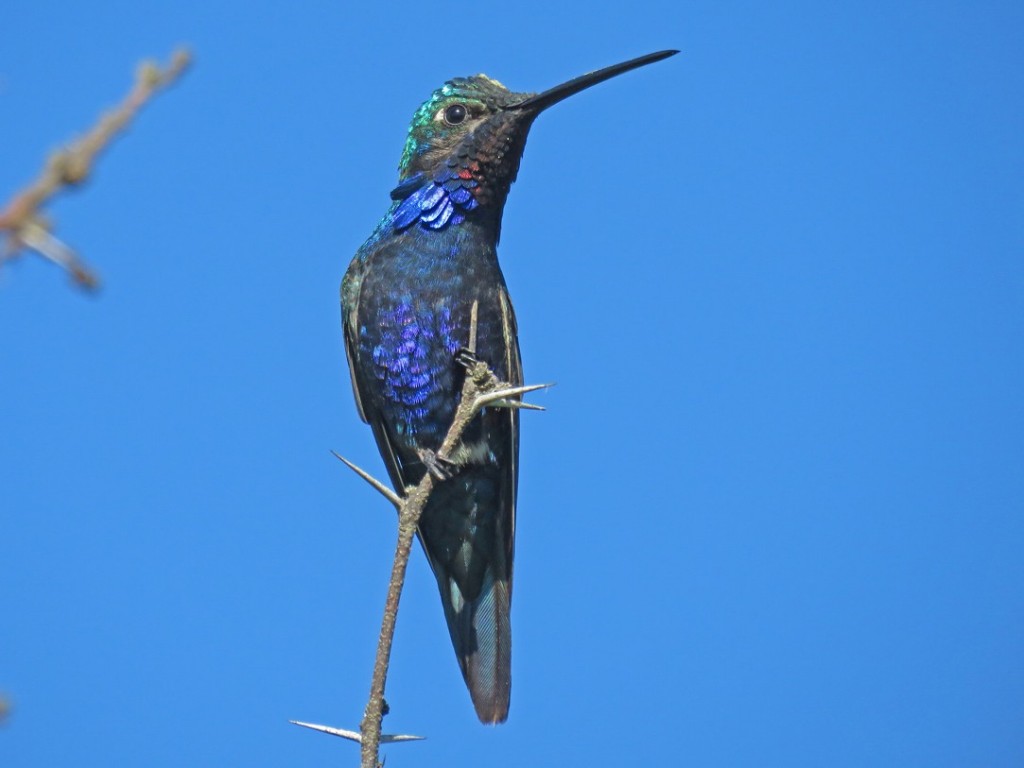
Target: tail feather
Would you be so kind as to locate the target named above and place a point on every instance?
(481, 632)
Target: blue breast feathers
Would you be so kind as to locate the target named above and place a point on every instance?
(445, 199)
(412, 349)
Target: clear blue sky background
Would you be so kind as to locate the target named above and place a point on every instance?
(774, 515)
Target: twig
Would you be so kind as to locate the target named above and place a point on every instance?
(22, 220)
(479, 384)
(481, 388)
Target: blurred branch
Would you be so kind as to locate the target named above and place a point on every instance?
(5, 709)
(24, 227)
(481, 388)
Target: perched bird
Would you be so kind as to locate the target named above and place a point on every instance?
(407, 300)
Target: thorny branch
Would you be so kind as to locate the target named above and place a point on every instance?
(24, 227)
(481, 388)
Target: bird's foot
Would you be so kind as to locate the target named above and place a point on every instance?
(441, 468)
(466, 358)
(476, 369)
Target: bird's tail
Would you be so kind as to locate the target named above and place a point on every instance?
(481, 631)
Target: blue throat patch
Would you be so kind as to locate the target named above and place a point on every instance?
(436, 202)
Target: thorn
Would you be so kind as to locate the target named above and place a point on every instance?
(35, 236)
(502, 394)
(517, 404)
(385, 738)
(386, 492)
(350, 735)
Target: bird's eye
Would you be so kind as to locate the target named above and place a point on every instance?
(455, 114)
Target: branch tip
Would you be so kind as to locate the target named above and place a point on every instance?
(69, 167)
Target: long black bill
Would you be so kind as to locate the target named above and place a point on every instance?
(577, 84)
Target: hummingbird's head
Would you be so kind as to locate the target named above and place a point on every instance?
(456, 119)
(467, 140)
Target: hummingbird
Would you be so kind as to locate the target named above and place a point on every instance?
(414, 294)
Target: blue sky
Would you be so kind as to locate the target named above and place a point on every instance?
(774, 514)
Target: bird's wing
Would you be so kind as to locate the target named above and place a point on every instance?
(476, 590)
(350, 294)
(514, 366)
(350, 285)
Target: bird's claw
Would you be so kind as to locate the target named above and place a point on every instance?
(466, 358)
(438, 466)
